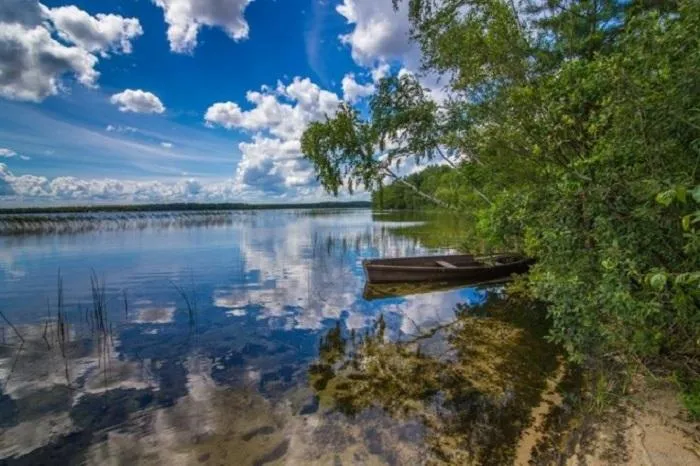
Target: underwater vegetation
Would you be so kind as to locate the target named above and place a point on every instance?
(472, 383)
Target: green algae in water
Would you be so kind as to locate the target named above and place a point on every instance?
(475, 398)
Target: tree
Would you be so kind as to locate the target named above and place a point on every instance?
(349, 151)
(404, 123)
(579, 121)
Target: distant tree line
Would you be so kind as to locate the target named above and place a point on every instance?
(180, 207)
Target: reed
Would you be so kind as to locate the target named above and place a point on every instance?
(19, 350)
(33, 224)
(101, 326)
(99, 304)
(126, 305)
(190, 303)
(14, 365)
(14, 329)
(57, 333)
(47, 323)
(62, 330)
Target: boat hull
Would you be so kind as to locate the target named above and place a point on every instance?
(416, 270)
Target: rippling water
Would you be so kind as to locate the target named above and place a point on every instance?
(209, 329)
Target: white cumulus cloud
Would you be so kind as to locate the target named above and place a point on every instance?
(33, 61)
(379, 33)
(186, 17)
(380, 38)
(353, 91)
(381, 71)
(26, 12)
(36, 189)
(102, 33)
(167, 145)
(68, 189)
(5, 186)
(137, 101)
(271, 160)
(284, 112)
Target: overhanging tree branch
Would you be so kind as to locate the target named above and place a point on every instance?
(415, 189)
(454, 166)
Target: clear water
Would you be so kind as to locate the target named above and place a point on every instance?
(203, 352)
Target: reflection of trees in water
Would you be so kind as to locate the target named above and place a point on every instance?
(378, 238)
(474, 391)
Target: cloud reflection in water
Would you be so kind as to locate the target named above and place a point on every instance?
(267, 284)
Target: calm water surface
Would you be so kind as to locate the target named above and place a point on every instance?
(201, 353)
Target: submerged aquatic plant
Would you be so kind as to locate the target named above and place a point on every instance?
(474, 398)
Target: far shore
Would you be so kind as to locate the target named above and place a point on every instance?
(180, 207)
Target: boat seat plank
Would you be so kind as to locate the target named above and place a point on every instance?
(446, 264)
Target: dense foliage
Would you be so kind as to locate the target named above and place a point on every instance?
(438, 181)
(574, 130)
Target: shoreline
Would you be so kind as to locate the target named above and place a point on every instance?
(181, 207)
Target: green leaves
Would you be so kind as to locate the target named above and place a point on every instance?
(678, 193)
(347, 150)
(685, 222)
(658, 281)
(681, 194)
(402, 111)
(665, 198)
(342, 150)
(583, 134)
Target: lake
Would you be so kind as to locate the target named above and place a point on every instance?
(187, 338)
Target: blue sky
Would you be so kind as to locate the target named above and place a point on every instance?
(180, 100)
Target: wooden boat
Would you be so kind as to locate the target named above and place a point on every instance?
(445, 268)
